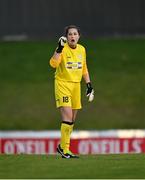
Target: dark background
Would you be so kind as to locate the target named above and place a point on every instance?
(47, 18)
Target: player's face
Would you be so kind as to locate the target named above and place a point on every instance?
(73, 37)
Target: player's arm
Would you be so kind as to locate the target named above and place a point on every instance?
(86, 77)
(56, 58)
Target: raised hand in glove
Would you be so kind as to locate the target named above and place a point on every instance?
(61, 42)
(90, 92)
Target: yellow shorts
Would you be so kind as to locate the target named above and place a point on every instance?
(68, 94)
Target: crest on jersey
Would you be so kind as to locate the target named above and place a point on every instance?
(80, 57)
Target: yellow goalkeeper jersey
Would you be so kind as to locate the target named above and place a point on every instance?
(71, 65)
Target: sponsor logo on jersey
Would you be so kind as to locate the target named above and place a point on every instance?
(74, 65)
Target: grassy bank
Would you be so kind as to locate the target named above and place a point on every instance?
(117, 69)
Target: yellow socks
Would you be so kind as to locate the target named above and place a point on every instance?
(72, 125)
(66, 129)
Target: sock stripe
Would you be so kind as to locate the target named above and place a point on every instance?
(69, 123)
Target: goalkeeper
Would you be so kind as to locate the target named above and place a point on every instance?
(69, 59)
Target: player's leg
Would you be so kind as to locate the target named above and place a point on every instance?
(63, 102)
(66, 130)
(76, 105)
(76, 101)
(66, 127)
(74, 114)
(66, 113)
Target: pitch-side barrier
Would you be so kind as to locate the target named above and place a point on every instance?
(82, 142)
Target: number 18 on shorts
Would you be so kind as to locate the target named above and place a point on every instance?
(67, 94)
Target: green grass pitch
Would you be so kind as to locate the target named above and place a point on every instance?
(117, 70)
(123, 166)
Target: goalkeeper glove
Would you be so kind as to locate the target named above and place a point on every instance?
(90, 92)
(62, 40)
